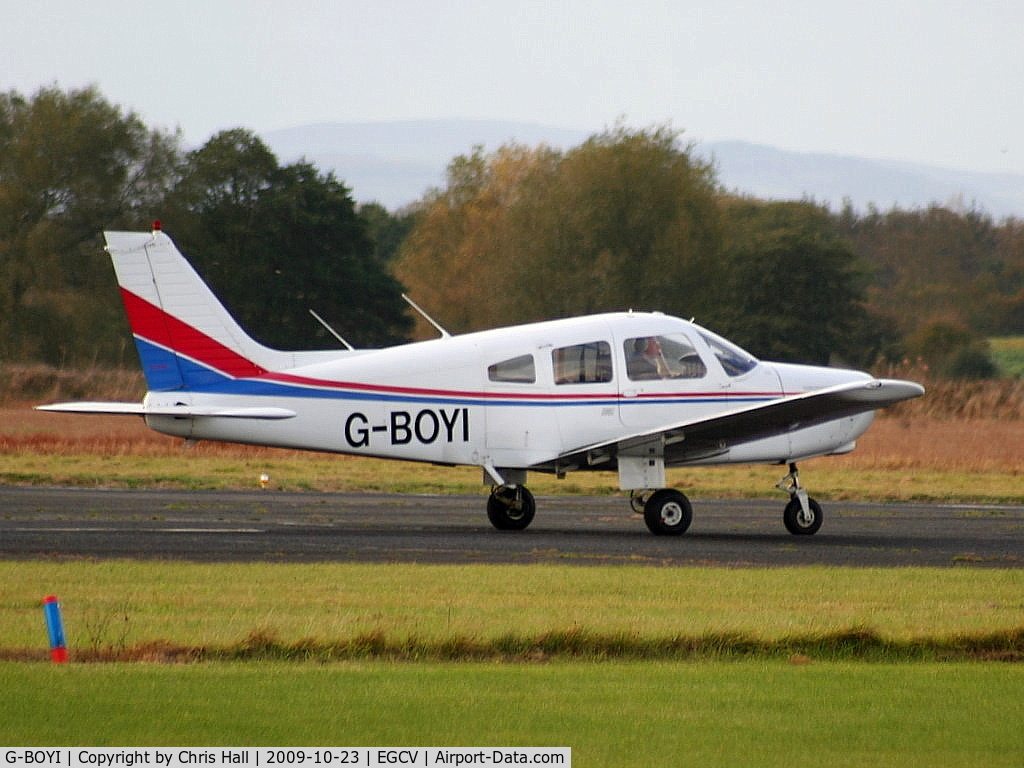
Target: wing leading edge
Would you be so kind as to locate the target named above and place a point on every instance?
(702, 438)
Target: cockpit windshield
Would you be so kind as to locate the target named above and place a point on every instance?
(734, 360)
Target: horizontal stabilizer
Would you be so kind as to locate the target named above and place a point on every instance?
(178, 411)
(123, 409)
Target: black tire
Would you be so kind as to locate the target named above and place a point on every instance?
(668, 513)
(511, 507)
(793, 517)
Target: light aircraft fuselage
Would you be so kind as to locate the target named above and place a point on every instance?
(499, 397)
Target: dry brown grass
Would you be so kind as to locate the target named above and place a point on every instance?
(957, 427)
(959, 400)
(903, 443)
(43, 383)
(963, 445)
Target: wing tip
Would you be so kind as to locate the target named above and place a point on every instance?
(900, 389)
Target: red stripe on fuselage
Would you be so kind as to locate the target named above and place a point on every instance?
(153, 324)
(287, 378)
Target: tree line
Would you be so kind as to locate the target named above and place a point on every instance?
(636, 219)
(631, 218)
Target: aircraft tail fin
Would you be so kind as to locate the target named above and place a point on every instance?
(185, 336)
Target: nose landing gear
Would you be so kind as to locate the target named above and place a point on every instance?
(803, 515)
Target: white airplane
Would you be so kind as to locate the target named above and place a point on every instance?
(630, 392)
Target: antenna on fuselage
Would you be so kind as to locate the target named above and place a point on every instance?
(428, 318)
(333, 332)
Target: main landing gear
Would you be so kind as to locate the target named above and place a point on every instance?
(667, 512)
(511, 507)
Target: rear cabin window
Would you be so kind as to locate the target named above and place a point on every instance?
(517, 370)
(583, 363)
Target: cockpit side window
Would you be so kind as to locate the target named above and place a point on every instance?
(734, 360)
(662, 357)
(583, 363)
(516, 370)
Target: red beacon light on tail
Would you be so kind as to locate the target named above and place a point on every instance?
(156, 225)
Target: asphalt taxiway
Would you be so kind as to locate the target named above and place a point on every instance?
(316, 527)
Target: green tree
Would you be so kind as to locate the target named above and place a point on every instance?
(275, 242)
(789, 288)
(627, 219)
(71, 165)
(1009, 273)
(457, 259)
(951, 351)
(386, 230)
(937, 264)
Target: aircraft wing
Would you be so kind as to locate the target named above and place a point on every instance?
(180, 411)
(701, 438)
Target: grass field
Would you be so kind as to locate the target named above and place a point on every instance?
(112, 605)
(753, 695)
(616, 715)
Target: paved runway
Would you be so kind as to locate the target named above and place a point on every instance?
(578, 530)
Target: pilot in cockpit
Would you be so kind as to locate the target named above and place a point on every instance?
(647, 360)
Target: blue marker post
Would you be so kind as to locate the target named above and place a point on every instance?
(55, 626)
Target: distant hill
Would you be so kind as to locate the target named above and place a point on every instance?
(775, 174)
(394, 163)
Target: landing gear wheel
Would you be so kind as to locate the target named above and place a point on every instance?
(511, 507)
(668, 513)
(801, 523)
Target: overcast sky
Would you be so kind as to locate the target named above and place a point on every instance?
(933, 81)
